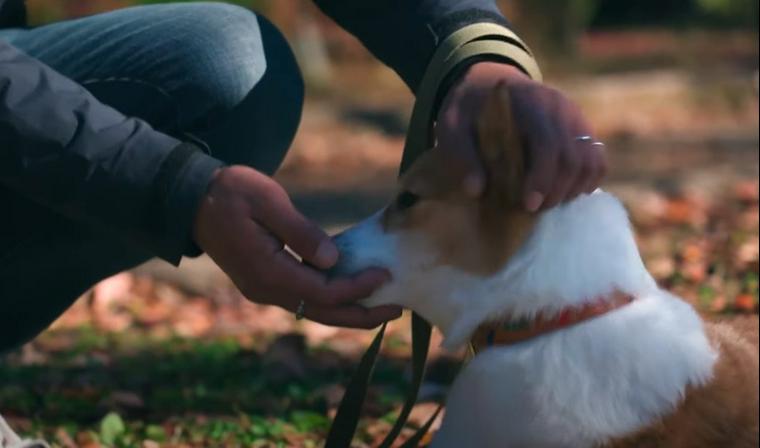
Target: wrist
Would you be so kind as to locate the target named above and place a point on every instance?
(180, 183)
(480, 74)
(488, 73)
(203, 210)
(505, 71)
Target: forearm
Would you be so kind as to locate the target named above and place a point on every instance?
(12, 13)
(61, 147)
(405, 33)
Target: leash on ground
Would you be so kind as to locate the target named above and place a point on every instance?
(483, 41)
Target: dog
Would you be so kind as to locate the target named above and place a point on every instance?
(576, 345)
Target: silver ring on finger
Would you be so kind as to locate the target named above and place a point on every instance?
(301, 310)
(588, 138)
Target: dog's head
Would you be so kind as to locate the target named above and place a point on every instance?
(433, 228)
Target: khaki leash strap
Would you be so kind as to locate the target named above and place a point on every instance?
(483, 39)
(479, 40)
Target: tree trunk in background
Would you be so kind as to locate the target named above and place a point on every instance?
(284, 14)
(310, 48)
(298, 22)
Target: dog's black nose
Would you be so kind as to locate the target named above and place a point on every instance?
(342, 267)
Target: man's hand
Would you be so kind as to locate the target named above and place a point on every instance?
(560, 166)
(244, 222)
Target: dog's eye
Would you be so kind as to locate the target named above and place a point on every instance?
(406, 200)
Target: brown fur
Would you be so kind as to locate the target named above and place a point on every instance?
(723, 413)
(497, 222)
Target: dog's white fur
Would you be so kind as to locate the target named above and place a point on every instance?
(581, 386)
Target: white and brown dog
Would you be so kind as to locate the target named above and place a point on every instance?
(576, 344)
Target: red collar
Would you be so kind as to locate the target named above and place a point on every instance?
(508, 332)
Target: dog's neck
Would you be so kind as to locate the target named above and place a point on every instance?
(577, 253)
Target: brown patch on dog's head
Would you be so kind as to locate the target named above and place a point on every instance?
(476, 234)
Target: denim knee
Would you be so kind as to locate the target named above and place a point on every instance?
(218, 56)
(240, 69)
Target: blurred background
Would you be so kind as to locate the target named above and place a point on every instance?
(165, 357)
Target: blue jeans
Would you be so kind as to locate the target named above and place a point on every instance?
(212, 73)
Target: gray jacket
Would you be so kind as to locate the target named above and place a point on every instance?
(63, 148)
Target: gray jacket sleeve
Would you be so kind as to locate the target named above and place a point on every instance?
(61, 147)
(404, 34)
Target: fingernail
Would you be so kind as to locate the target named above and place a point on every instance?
(473, 185)
(534, 201)
(327, 254)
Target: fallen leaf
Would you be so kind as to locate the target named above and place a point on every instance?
(695, 271)
(747, 191)
(109, 299)
(746, 303)
(718, 304)
(111, 427)
(679, 211)
(63, 438)
(662, 267)
(194, 319)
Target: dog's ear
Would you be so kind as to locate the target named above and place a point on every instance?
(501, 148)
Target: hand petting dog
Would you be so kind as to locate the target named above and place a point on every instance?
(244, 223)
(563, 159)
